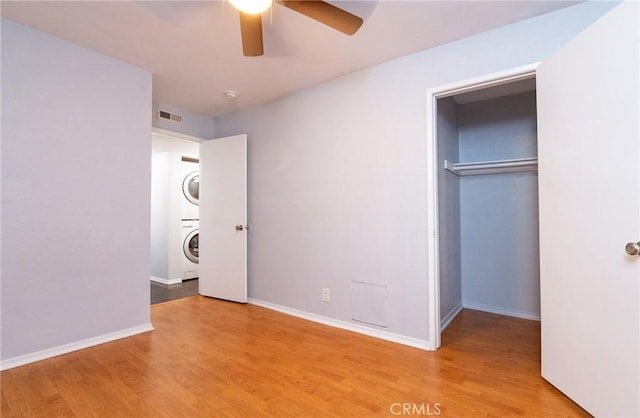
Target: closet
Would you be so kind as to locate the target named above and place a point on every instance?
(488, 202)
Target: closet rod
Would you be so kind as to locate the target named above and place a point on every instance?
(492, 167)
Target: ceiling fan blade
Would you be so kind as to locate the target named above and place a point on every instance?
(251, 32)
(326, 13)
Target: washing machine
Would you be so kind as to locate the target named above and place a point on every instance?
(190, 241)
(190, 188)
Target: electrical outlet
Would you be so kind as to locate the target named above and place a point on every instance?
(326, 297)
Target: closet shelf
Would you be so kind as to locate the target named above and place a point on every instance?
(492, 167)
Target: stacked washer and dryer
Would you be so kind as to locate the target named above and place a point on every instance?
(175, 217)
(190, 200)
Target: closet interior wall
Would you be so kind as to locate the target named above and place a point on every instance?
(449, 212)
(488, 223)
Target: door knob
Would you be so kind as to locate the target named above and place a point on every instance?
(241, 227)
(632, 248)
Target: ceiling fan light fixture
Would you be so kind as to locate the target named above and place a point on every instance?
(251, 6)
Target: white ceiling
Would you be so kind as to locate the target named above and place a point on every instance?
(193, 48)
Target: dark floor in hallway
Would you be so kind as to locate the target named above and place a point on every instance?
(164, 293)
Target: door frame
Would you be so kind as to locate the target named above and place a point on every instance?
(433, 237)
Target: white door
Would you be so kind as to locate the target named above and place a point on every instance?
(589, 177)
(223, 218)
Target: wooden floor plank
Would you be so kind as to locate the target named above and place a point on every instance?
(209, 358)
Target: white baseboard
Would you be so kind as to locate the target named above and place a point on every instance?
(502, 311)
(444, 322)
(68, 348)
(360, 329)
(165, 281)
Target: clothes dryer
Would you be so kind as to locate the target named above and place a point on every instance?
(190, 188)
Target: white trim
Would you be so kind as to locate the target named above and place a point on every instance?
(176, 135)
(433, 239)
(502, 311)
(485, 81)
(449, 317)
(165, 281)
(336, 323)
(68, 348)
(433, 94)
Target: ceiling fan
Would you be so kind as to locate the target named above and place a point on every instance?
(320, 11)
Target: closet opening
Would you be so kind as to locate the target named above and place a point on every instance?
(484, 186)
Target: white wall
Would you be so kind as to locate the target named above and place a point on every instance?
(75, 193)
(167, 174)
(160, 216)
(166, 143)
(337, 172)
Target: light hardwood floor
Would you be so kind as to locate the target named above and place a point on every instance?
(209, 358)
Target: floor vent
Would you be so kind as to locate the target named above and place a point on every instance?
(174, 117)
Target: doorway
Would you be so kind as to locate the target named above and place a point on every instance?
(174, 216)
(482, 196)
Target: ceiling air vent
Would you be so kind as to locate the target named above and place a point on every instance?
(174, 117)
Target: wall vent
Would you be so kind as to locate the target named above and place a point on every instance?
(370, 303)
(174, 117)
